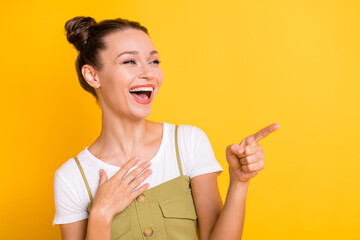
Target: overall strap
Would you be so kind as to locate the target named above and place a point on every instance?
(177, 150)
(84, 178)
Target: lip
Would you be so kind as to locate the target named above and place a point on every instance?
(144, 85)
(140, 100)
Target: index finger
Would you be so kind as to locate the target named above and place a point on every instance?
(126, 167)
(264, 132)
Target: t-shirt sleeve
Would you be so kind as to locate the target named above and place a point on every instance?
(203, 157)
(67, 203)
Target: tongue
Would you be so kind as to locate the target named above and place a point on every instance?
(140, 95)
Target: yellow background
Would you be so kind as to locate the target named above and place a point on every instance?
(231, 68)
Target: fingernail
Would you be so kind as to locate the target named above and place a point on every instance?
(234, 147)
(101, 172)
(136, 159)
(239, 150)
(148, 163)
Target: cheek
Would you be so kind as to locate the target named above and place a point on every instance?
(117, 79)
(115, 87)
(159, 76)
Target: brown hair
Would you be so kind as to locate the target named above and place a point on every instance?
(88, 38)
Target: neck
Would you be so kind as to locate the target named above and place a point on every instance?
(121, 136)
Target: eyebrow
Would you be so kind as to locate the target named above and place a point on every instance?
(135, 52)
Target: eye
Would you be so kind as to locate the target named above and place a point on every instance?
(130, 61)
(156, 61)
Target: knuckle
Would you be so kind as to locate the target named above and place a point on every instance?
(133, 194)
(130, 163)
(146, 174)
(140, 190)
(141, 168)
(131, 176)
(250, 138)
(231, 147)
(247, 149)
(137, 181)
(146, 165)
(125, 169)
(142, 177)
(121, 183)
(260, 150)
(138, 170)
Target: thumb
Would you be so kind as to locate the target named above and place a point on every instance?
(232, 152)
(103, 177)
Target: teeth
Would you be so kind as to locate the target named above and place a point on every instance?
(141, 89)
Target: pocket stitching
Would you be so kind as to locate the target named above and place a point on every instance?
(170, 207)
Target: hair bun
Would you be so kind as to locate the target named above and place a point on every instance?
(78, 31)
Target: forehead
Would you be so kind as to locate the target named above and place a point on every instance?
(128, 40)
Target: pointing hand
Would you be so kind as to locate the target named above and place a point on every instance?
(246, 159)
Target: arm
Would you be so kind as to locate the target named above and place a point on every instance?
(245, 160)
(215, 220)
(230, 223)
(73, 231)
(95, 227)
(207, 201)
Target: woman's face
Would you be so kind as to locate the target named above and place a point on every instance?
(131, 76)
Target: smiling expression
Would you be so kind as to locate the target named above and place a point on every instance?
(131, 76)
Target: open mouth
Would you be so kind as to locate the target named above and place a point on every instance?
(142, 93)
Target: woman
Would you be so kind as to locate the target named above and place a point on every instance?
(109, 191)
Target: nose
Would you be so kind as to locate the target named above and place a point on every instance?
(146, 72)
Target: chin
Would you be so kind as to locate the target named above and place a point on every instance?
(141, 114)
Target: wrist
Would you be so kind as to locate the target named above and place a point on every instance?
(100, 216)
(234, 183)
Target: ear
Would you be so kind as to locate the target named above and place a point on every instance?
(90, 76)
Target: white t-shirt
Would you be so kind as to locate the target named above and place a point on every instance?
(196, 154)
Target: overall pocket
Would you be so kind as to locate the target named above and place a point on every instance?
(180, 217)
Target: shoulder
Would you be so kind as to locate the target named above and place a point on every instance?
(68, 174)
(189, 132)
(190, 137)
(66, 170)
(193, 136)
(67, 165)
(192, 140)
(66, 179)
(197, 152)
(69, 168)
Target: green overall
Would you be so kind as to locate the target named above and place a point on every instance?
(164, 212)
